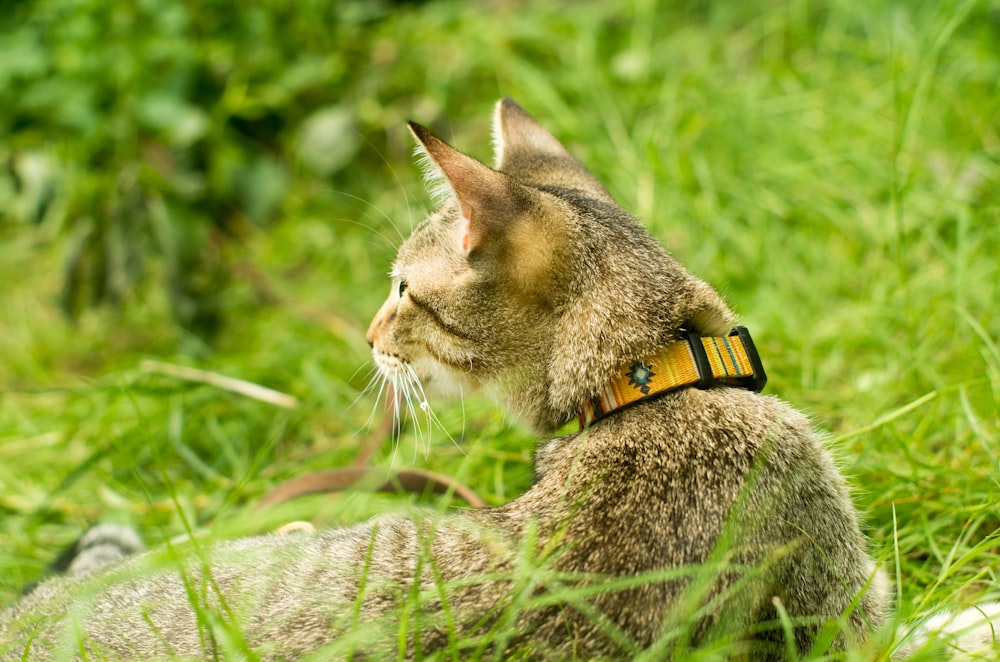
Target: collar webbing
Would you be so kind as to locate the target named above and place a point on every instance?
(695, 361)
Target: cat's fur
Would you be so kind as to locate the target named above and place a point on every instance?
(531, 283)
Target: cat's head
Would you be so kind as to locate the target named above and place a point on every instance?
(528, 280)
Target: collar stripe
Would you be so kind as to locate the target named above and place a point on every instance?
(696, 361)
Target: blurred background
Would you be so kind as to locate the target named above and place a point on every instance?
(222, 186)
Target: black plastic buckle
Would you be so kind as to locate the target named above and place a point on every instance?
(706, 378)
(758, 379)
(754, 382)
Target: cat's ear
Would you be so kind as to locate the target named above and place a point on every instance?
(487, 199)
(518, 137)
(523, 148)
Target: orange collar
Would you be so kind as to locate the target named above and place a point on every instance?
(695, 361)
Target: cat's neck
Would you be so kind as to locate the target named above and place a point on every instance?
(620, 320)
(639, 301)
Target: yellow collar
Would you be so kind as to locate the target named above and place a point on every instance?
(695, 361)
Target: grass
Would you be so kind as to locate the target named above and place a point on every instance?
(832, 168)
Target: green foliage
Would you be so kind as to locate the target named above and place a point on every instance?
(831, 166)
(163, 129)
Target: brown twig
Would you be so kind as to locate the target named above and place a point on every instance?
(335, 480)
(245, 388)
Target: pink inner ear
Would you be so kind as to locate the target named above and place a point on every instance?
(466, 224)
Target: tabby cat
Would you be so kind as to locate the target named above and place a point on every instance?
(688, 510)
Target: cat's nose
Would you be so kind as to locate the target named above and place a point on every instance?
(370, 336)
(386, 311)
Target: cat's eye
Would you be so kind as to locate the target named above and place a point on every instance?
(402, 287)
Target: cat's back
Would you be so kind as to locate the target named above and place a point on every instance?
(290, 590)
(680, 464)
(714, 431)
(705, 481)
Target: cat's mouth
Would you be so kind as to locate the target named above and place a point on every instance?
(390, 365)
(399, 380)
(394, 368)
(402, 372)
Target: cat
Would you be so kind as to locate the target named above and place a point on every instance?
(687, 511)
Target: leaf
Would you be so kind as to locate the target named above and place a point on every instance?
(36, 175)
(180, 122)
(261, 187)
(328, 140)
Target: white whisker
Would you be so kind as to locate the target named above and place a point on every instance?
(371, 416)
(405, 395)
(415, 388)
(408, 397)
(397, 414)
(402, 188)
(372, 233)
(423, 432)
(429, 411)
(373, 376)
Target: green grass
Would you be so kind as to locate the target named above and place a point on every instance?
(832, 167)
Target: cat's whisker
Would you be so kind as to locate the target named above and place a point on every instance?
(414, 388)
(424, 405)
(377, 380)
(370, 365)
(376, 208)
(432, 417)
(373, 376)
(373, 232)
(385, 387)
(397, 415)
(408, 396)
(437, 421)
(415, 380)
(399, 184)
(381, 381)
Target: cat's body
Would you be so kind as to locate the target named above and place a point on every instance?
(531, 283)
(668, 513)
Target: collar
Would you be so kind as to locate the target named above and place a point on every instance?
(693, 361)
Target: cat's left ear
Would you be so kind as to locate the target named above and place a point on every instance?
(517, 138)
(524, 149)
(488, 199)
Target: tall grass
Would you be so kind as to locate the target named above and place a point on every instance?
(832, 167)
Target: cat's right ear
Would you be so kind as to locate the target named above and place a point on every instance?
(486, 198)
